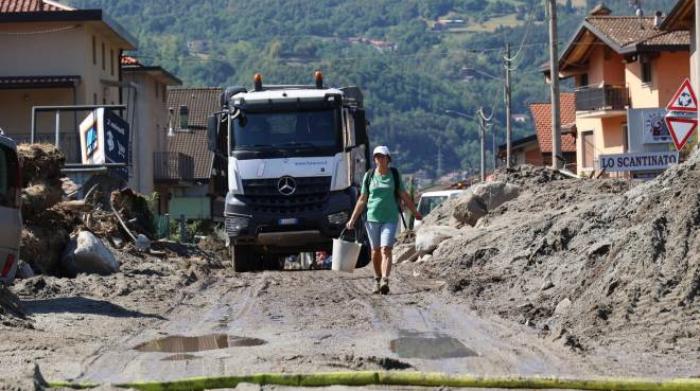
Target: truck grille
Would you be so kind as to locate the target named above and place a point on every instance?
(263, 195)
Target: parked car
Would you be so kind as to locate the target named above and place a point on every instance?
(432, 199)
(10, 209)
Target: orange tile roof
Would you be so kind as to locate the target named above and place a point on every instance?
(9, 6)
(542, 118)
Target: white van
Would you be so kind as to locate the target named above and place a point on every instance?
(432, 199)
(10, 209)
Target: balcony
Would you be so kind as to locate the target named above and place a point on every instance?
(172, 167)
(607, 100)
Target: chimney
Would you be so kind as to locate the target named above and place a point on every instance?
(658, 18)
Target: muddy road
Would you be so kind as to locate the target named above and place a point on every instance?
(292, 321)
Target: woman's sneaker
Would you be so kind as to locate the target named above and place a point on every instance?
(384, 286)
(377, 286)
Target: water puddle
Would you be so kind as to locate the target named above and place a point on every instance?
(179, 344)
(429, 347)
(181, 357)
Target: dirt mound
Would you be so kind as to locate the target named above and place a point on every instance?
(588, 262)
(40, 162)
(528, 175)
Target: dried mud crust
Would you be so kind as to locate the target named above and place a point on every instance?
(598, 265)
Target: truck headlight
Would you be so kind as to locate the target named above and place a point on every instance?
(236, 223)
(339, 218)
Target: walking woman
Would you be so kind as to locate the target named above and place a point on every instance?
(382, 188)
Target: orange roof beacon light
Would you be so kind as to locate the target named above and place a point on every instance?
(257, 80)
(318, 76)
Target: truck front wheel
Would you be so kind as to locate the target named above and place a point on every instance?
(244, 258)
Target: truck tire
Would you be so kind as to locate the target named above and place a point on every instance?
(244, 259)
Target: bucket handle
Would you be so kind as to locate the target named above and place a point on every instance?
(345, 229)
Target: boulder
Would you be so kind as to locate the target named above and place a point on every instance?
(87, 254)
(429, 237)
(494, 194)
(405, 252)
(469, 209)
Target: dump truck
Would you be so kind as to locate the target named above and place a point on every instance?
(290, 160)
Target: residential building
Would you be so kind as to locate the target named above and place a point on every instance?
(145, 94)
(58, 55)
(536, 149)
(682, 17)
(183, 170)
(619, 63)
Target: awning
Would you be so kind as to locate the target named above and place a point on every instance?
(26, 82)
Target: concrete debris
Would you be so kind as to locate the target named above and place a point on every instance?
(428, 238)
(404, 252)
(469, 209)
(87, 254)
(494, 194)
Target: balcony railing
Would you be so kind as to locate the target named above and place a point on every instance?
(172, 166)
(602, 98)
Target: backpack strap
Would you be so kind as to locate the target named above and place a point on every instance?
(368, 179)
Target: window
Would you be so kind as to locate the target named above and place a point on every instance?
(646, 72)
(583, 81)
(111, 62)
(157, 87)
(103, 56)
(588, 148)
(94, 98)
(184, 117)
(625, 138)
(94, 50)
(165, 93)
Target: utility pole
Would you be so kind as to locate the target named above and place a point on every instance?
(482, 136)
(554, 86)
(509, 125)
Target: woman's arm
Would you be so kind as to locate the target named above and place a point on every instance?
(359, 208)
(408, 201)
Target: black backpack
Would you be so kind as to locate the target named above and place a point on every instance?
(395, 174)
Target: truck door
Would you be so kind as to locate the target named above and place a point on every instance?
(360, 153)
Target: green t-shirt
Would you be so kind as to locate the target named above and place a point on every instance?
(381, 203)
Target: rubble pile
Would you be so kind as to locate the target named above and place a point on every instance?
(591, 263)
(54, 224)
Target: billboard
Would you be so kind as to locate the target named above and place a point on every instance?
(104, 138)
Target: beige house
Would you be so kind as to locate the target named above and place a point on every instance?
(619, 63)
(60, 56)
(145, 93)
(63, 56)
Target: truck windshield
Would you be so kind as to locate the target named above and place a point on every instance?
(301, 132)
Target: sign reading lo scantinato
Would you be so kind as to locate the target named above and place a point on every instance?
(645, 161)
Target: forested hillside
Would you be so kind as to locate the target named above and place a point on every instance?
(414, 59)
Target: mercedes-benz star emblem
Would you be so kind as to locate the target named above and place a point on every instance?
(287, 185)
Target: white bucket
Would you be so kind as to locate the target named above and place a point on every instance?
(345, 254)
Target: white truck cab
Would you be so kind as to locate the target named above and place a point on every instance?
(293, 158)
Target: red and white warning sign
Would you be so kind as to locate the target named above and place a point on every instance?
(684, 99)
(680, 129)
(682, 114)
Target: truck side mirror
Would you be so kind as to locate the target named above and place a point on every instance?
(213, 132)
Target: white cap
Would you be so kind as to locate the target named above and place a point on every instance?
(381, 150)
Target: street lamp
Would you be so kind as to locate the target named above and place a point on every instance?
(482, 136)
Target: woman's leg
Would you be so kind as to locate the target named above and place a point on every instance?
(373, 234)
(386, 261)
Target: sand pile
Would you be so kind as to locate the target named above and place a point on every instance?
(588, 262)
